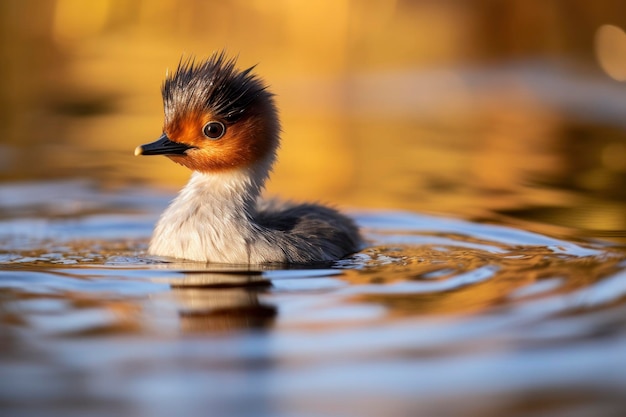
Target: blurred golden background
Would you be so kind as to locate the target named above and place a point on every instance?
(485, 109)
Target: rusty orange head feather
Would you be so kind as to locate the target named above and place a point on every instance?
(216, 117)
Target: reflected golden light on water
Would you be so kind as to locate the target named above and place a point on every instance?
(614, 156)
(493, 111)
(75, 19)
(314, 159)
(389, 104)
(610, 48)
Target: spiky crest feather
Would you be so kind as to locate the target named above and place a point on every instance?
(214, 86)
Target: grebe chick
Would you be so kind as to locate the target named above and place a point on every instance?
(222, 124)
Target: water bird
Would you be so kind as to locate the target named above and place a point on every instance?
(222, 123)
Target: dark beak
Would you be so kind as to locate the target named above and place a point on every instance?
(162, 146)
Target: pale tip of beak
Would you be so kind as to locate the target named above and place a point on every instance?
(138, 150)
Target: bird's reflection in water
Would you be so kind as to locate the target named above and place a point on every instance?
(222, 301)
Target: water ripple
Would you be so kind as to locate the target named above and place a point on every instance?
(429, 307)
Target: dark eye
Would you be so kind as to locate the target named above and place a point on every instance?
(214, 130)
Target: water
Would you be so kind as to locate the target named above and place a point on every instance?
(437, 316)
(493, 282)
(480, 146)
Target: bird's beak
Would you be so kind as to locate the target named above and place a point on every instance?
(162, 146)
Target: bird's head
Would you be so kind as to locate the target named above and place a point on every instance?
(217, 117)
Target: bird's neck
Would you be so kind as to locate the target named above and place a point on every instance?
(227, 193)
(213, 217)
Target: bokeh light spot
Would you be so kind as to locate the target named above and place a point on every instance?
(610, 48)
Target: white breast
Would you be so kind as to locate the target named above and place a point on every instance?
(211, 221)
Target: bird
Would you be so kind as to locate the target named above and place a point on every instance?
(222, 123)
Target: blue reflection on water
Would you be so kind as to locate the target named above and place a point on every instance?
(436, 313)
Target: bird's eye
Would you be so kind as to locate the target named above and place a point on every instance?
(214, 130)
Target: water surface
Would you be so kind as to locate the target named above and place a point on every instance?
(436, 315)
(481, 146)
(493, 281)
